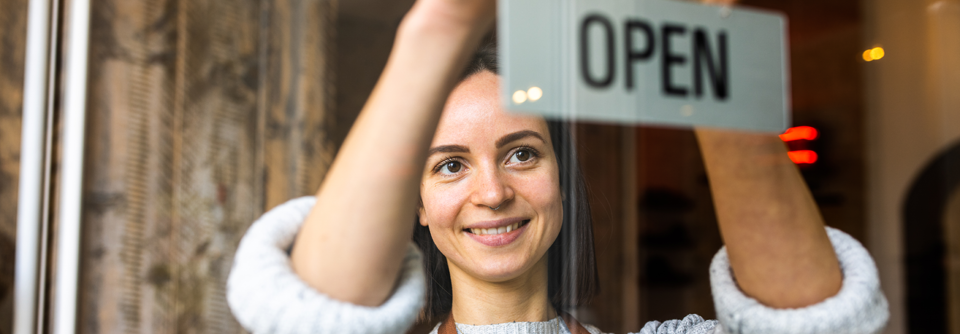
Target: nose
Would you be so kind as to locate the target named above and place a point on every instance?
(491, 189)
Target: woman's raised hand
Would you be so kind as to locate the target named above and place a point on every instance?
(353, 242)
(476, 14)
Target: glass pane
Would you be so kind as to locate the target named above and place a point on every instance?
(204, 115)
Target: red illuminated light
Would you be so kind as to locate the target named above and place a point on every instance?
(803, 156)
(800, 133)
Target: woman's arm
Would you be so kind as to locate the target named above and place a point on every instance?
(352, 244)
(775, 236)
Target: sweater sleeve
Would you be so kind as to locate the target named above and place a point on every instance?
(266, 296)
(859, 307)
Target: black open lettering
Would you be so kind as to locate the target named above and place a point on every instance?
(669, 59)
(634, 55)
(710, 57)
(719, 74)
(607, 78)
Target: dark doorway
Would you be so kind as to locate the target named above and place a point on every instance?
(923, 216)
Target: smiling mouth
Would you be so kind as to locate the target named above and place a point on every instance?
(497, 230)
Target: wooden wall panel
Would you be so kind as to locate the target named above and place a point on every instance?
(298, 97)
(170, 170)
(13, 35)
(201, 115)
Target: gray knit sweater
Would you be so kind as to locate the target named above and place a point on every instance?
(266, 296)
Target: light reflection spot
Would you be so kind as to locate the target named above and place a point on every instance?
(534, 93)
(519, 97)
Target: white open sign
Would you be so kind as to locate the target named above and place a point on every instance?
(645, 61)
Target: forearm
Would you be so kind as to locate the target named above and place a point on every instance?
(775, 237)
(352, 244)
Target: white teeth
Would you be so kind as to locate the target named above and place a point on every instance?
(494, 231)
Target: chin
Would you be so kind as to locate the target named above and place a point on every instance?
(502, 269)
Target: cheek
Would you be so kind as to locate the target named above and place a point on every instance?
(543, 194)
(442, 204)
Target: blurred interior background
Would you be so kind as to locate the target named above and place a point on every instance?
(203, 114)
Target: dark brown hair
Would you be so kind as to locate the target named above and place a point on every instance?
(572, 267)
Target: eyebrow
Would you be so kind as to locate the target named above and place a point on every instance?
(448, 149)
(503, 141)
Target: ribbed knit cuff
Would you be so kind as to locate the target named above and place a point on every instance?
(859, 307)
(266, 296)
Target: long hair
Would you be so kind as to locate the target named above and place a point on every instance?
(572, 266)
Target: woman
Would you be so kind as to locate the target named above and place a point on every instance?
(487, 186)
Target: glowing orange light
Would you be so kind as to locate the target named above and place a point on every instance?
(873, 54)
(800, 132)
(803, 156)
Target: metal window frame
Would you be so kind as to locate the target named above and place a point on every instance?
(36, 185)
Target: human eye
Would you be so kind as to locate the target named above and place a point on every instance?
(522, 155)
(448, 167)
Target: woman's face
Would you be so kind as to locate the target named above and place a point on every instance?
(483, 158)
